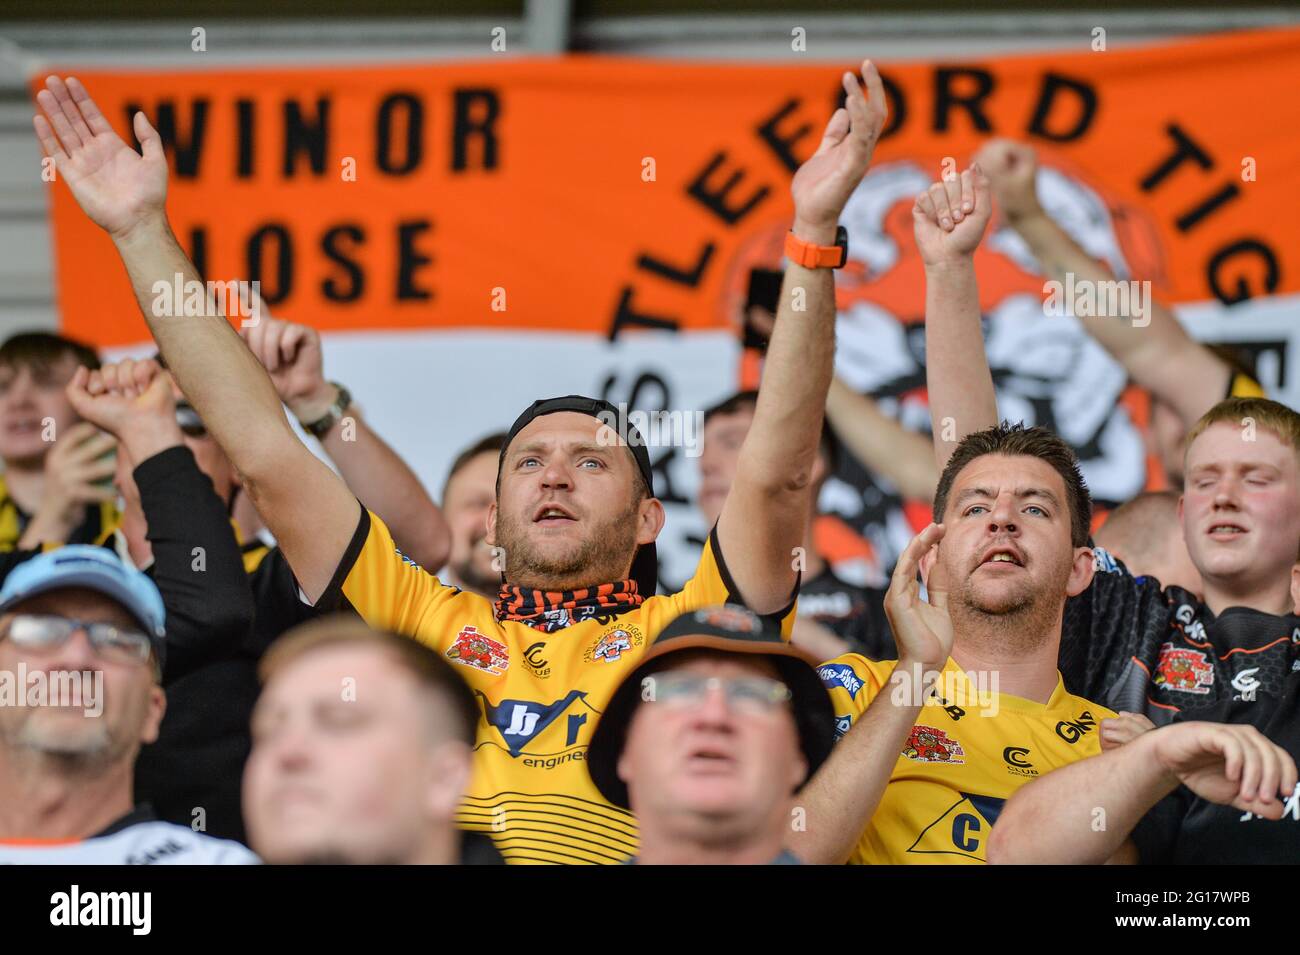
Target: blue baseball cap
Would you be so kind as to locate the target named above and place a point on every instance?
(97, 569)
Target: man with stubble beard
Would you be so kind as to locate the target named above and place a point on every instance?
(575, 514)
(932, 745)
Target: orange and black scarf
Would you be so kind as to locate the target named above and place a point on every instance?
(549, 611)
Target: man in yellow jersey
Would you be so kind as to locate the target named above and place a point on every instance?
(575, 517)
(931, 746)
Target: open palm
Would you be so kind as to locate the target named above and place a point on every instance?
(114, 185)
(922, 629)
(823, 184)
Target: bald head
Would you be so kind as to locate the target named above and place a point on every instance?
(1147, 536)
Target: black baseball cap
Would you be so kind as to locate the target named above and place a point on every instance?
(645, 565)
(725, 629)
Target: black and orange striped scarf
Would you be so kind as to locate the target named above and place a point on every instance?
(553, 610)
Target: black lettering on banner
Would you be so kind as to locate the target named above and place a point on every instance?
(409, 259)
(1241, 291)
(409, 110)
(185, 155)
(302, 135)
(947, 98)
(716, 201)
(331, 244)
(1189, 219)
(1184, 149)
(474, 120)
(626, 316)
(780, 143)
(895, 103)
(1055, 84)
(244, 129)
(690, 279)
(272, 293)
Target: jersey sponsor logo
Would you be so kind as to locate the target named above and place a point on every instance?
(1183, 669)
(842, 725)
(962, 830)
(477, 650)
(930, 745)
(535, 659)
(524, 722)
(952, 709)
(841, 675)
(1076, 729)
(613, 644)
(1017, 760)
(1246, 685)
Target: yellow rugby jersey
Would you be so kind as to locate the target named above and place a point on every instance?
(964, 758)
(100, 522)
(539, 694)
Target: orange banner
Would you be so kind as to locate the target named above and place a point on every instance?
(606, 195)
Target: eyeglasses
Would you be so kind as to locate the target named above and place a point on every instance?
(747, 694)
(110, 642)
(189, 421)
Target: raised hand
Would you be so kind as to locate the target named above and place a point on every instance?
(117, 187)
(823, 184)
(291, 354)
(1012, 169)
(922, 631)
(1228, 764)
(132, 400)
(949, 218)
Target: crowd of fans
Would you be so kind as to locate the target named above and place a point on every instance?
(499, 678)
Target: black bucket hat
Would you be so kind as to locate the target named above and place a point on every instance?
(645, 565)
(725, 629)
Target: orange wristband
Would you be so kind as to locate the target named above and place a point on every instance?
(812, 256)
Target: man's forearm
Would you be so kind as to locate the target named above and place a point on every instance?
(957, 376)
(781, 445)
(882, 444)
(219, 375)
(1081, 814)
(844, 794)
(1153, 347)
(386, 485)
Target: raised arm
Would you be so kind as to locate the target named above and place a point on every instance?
(309, 509)
(840, 800)
(1153, 347)
(1084, 813)
(949, 220)
(383, 482)
(196, 561)
(882, 444)
(763, 519)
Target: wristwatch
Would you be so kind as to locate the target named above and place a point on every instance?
(812, 256)
(322, 425)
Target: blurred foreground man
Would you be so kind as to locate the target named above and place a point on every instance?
(708, 740)
(81, 646)
(361, 751)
